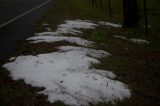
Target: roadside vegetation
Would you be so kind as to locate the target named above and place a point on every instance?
(137, 65)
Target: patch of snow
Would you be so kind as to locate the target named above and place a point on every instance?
(48, 29)
(105, 73)
(69, 27)
(48, 33)
(45, 24)
(66, 76)
(134, 40)
(12, 58)
(74, 26)
(139, 41)
(121, 37)
(91, 52)
(77, 40)
(109, 24)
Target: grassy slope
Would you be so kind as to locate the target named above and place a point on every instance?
(135, 65)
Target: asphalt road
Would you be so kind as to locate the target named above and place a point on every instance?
(17, 20)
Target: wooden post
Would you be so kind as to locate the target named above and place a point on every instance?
(101, 3)
(130, 12)
(110, 10)
(145, 16)
(95, 1)
(92, 2)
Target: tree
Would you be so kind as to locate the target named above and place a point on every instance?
(110, 10)
(130, 11)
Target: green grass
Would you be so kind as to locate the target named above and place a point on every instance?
(136, 65)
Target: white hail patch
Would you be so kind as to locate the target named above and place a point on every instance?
(74, 26)
(121, 37)
(77, 40)
(109, 24)
(69, 27)
(12, 58)
(91, 52)
(134, 40)
(66, 76)
(139, 41)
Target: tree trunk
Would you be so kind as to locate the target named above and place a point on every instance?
(130, 11)
(110, 10)
(101, 4)
(92, 2)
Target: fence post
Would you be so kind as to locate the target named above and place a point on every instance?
(130, 13)
(145, 16)
(110, 10)
(95, 1)
(101, 3)
(92, 2)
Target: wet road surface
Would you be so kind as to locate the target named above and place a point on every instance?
(17, 20)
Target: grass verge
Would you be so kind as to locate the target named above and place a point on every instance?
(136, 65)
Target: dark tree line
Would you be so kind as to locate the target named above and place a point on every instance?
(130, 12)
(99, 3)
